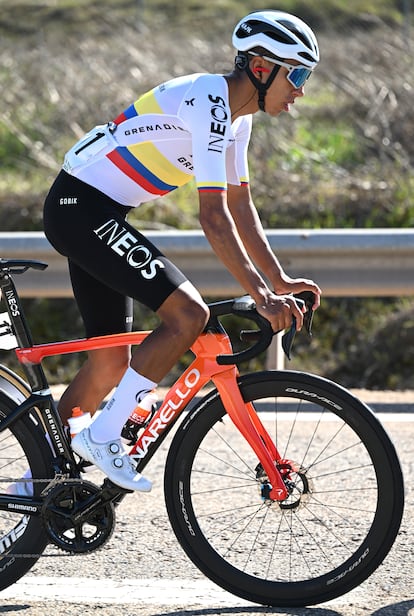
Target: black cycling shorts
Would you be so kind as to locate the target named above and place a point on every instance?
(110, 262)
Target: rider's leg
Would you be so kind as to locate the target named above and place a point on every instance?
(100, 373)
(111, 261)
(183, 317)
(104, 311)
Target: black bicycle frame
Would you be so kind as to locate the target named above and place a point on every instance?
(41, 399)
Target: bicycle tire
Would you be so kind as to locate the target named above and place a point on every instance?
(22, 536)
(333, 531)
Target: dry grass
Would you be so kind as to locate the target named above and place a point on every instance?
(343, 157)
(349, 142)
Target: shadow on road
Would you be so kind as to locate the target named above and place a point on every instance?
(256, 609)
(395, 609)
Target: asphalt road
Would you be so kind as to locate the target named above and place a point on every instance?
(142, 570)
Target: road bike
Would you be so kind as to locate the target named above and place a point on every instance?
(281, 487)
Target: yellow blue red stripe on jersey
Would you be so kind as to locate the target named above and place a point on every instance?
(147, 103)
(219, 188)
(139, 173)
(129, 113)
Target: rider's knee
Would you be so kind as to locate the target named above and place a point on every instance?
(198, 314)
(184, 312)
(188, 319)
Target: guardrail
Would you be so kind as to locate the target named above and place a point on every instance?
(344, 262)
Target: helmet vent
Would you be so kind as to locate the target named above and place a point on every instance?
(280, 37)
(249, 28)
(300, 35)
(306, 56)
(254, 27)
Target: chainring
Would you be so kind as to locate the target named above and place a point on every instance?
(67, 527)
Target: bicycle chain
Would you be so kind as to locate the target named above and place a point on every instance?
(54, 481)
(43, 555)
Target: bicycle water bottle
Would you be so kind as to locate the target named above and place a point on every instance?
(78, 421)
(139, 417)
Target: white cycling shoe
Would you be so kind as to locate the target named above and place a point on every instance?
(112, 459)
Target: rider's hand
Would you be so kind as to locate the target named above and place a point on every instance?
(288, 285)
(279, 311)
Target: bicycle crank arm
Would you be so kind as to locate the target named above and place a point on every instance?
(109, 494)
(83, 508)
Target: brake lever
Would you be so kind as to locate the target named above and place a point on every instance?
(288, 338)
(309, 298)
(306, 298)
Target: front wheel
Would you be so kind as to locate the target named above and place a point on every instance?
(345, 485)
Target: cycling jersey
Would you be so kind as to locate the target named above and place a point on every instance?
(179, 130)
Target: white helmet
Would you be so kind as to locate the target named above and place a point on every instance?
(282, 35)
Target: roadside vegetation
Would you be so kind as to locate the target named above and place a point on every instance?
(343, 158)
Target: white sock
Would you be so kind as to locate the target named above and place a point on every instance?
(131, 389)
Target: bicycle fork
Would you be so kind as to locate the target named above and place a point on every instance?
(245, 418)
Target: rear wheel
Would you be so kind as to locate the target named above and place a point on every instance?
(339, 520)
(22, 536)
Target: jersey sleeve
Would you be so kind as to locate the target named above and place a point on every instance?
(236, 157)
(206, 113)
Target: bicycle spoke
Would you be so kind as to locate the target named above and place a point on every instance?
(342, 481)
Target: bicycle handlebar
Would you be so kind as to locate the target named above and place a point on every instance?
(245, 307)
(19, 266)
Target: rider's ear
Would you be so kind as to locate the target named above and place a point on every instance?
(258, 68)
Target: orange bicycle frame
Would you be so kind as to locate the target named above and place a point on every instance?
(203, 369)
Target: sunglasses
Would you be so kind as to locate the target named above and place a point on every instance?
(297, 75)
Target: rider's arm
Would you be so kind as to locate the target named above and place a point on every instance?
(220, 230)
(252, 235)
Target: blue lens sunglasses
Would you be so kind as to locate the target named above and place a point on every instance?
(297, 75)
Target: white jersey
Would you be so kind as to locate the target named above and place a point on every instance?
(179, 130)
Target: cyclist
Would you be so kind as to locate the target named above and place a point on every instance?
(193, 126)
